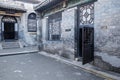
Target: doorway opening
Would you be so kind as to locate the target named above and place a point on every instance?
(9, 31)
(80, 42)
(9, 28)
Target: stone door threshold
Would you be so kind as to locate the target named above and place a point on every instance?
(15, 51)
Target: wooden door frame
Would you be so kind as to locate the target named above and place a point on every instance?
(78, 53)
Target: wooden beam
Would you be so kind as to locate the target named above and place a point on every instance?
(15, 14)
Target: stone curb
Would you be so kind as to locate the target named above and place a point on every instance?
(105, 75)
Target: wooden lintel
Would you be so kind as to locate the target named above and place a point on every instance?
(15, 14)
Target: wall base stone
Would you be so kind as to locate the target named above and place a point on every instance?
(104, 65)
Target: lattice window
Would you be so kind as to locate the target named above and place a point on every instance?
(9, 19)
(86, 14)
(54, 26)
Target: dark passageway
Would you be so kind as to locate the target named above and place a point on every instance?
(9, 31)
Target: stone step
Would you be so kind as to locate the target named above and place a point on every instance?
(10, 44)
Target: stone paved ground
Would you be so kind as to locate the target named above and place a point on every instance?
(38, 67)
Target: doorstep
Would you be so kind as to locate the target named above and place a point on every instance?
(16, 51)
(87, 67)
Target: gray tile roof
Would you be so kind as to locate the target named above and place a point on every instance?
(50, 3)
(30, 1)
(13, 7)
(46, 4)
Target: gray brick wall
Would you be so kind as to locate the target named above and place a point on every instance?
(64, 47)
(107, 33)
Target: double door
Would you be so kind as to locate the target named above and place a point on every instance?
(85, 44)
(9, 31)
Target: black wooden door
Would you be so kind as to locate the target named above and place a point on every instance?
(87, 44)
(9, 32)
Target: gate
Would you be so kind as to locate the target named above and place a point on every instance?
(87, 44)
(85, 34)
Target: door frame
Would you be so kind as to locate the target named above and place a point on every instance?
(78, 53)
(16, 26)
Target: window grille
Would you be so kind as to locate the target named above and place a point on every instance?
(86, 14)
(54, 26)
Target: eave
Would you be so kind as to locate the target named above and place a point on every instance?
(50, 3)
(46, 4)
(4, 7)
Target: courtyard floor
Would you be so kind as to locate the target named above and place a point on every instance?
(38, 67)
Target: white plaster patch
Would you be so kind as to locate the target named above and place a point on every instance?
(17, 71)
(113, 27)
(113, 60)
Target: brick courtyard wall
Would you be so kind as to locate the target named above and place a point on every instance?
(107, 34)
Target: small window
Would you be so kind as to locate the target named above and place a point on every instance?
(32, 23)
(54, 26)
